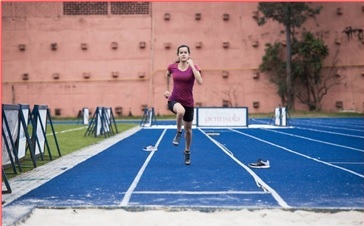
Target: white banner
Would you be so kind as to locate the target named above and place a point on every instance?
(98, 120)
(85, 114)
(106, 122)
(42, 118)
(22, 138)
(12, 117)
(222, 117)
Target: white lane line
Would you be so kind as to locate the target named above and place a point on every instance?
(202, 192)
(348, 163)
(258, 180)
(300, 154)
(305, 122)
(319, 141)
(69, 130)
(21, 184)
(132, 187)
(331, 127)
(330, 132)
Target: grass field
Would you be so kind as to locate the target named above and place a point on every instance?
(70, 137)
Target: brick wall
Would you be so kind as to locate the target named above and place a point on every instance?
(128, 49)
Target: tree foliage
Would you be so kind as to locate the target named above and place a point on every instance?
(274, 64)
(309, 81)
(292, 15)
(312, 83)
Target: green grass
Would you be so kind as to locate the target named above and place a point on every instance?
(70, 137)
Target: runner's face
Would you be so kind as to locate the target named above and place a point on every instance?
(183, 54)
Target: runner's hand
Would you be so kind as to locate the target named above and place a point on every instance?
(189, 62)
(166, 94)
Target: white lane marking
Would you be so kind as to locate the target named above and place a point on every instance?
(132, 187)
(319, 141)
(300, 154)
(330, 132)
(258, 180)
(69, 130)
(201, 192)
(340, 126)
(348, 163)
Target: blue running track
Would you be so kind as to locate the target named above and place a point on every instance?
(314, 163)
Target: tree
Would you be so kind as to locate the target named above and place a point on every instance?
(309, 79)
(273, 63)
(292, 15)
(229, 97)
(312, 83)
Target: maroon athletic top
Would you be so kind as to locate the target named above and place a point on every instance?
(183, 82)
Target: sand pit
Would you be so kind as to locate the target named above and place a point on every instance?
(121, 217)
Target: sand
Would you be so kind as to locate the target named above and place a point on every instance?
(263, 217)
